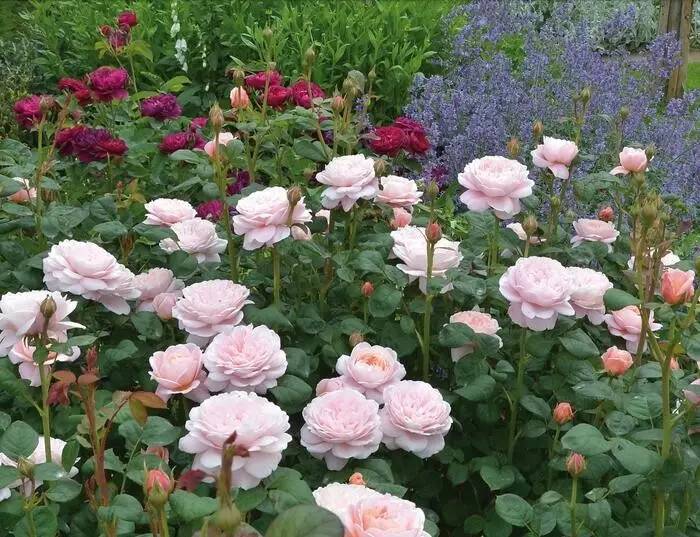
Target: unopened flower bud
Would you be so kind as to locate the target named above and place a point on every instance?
(367, 289)
(575, 464)
(381, 166)
(530, 225)
(585, 95)
(227, 519)
(624, 113)
(372, 75)
(513, 147)
(26, 468)
(649, 213)
(357, 479)
(309, 173)
(159, 451)
(216, 117)
(432, 191)
(537, 130)
(238, 76)
(650, 152)
(350, 88)
(563, 413)
(158, 485)
(267, 33)
(91, 358)
(355, 338)
(433, 232)
(309, 57)
(555, 202)
(338, 104)
(293, 195)
(46, 103)
(239, 98)
(48, 307)
(606, 214)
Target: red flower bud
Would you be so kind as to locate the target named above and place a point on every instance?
(367, 289)
(575, 464)
(563, 413)
(357, 479)
(606, 214)
(433, 232)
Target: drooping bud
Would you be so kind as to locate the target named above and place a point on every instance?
(216, 118)
(537, 130)
(26, 468)
(513, 147)
(381, 166)
(367, 289)
(433, 232)
(338, 104)
(48, 307)
(294, 195)
(355, 338)
(606, 214)
(575, 464)
(357, 479)
(432, 191)
(372, 75)
(585, 95)
(157, 486)
(530, 225)
(563, 413)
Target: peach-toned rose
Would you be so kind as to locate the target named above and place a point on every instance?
(479, 322)
(330, 385)
(178, 369)
(627, 323)
(588, 229)
(398, 191)
(369, 369)
(165, 212)
(555, 154)
(384, 516)
(156, 281)
(563, 413)
(616, 361)
(239, 98)
(339, 497)
(632, 160)
(225, 138)
(402, 218)
(24, 194)
(677, 286)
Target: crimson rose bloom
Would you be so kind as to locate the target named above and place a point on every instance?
(28, 110)
(127, 18)
(89, 144)
(181, 140)
(118, 37)
(277, 96)
(108, 83)
(389, 140)
(198, 122)
(161, 107)
(241, 179)
(416, 140)
(257, 80)
(78, 88)
(300, 93)
(210, 210)
(65, 137)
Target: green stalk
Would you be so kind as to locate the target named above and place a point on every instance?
(164, 531)
(572, 507)
(45, 411)
(276, 276)
(493, 252)
(515, 402)
(428, 312)
(220, 179)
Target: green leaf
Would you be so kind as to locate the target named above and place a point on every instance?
(43, 523)
(384, 301)
(537, 406)
(19, 440)
(313, 150)
(13, 386)
(188, 506)
(585, 439)
(292, 393)
(305, 521)
(108, 231)
(455, 335)
(8, 475)
(147, 324)
(625, 483)
(513, 509)
(478, 389)
(616, 299)
(49, 471)
(636, 459)
(122, 507)
(159, 432)
(579, 344)
(643, 406)
(497, 478)
(63, 490)
(270, 316)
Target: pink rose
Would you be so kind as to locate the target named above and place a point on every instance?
(239, 98)
(415, 418)
(23, 195)
(88, 270)
(627, 323)
(178, 369)
(398, 191)
(340, 425)
(225, 138)
(198, 238)
(210, 307)
(495, 182)
(692, 394)
(589, 287)
(588, 229)
(338, 498)
(166, 212)
(539, 290)
(330, 385)
(369, 369)
(616, 361)
(402, 218)
(517, 228)
(555, 154)
(264, 217)
(563, 413)
(157, 281)
(164, 303)
(20, 316)
(301, 233)
(23, 354)
(248, 358)
(260, 428)
(384, 516)
(348, 179)
(479, 322)
(410, 246)
(677, 286)
(631, 161)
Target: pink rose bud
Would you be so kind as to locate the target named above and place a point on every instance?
(367, 289)
(575, 464)
(606, 214)
(338, 104)
(159, 451)
(239, 98)
(677, 286)
(402, 218)
(433, 232)
(631, 161)
(157, 481)
(563, 413)
(674, 364)
(691, 395)
(355, 338)
(357, 479)
(616, 361)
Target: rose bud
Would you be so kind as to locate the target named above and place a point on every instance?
(267, 33)
(309, 57)
(48, 307)
(367, 289)
(563, 413)
(216, 117)
(677, 286)
(357, 479)
(606, 214)
(159, 451)
(294, 195)
(513, 147)
(537, 130)
(158, 485)
(432, 191)
(530, 225)
(355, 338)
(616, 361)
(585, 95)
(338, 104)
(380, 167)
(575, 464)
(624, 113)
(433, 232)
(238, 76)
(239, 98)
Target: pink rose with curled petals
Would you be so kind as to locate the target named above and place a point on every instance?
(264, 217)
(261, 431)
(369, 369)
(198, 238)
(632, 160)
(166, 212)
(248, 358)
(22, 354)
(627, 323)
(25, 194)
(495, 182)
(677, 286)
(210, 307)
(692, 394)
(384, 516)
(588, 292)
(156, 281)
(539, 290)
(348, 179)
(88, 270)
(239, 98)
(341, 425)
(616, 361)
(338, 498)
(410, 246)
(415, 418)
(479, 322)
(164, 303)
(555, 154)
(398, 192)
(225, 138)
(592, 230)
(330, 385)
(402, 218)
(178, 369)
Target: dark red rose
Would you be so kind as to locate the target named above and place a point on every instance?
(408, 124)
(210, 210)
(108, 83)
(78, 88)
(416, 141)
(64, 139)
(198, 122)
(303, 92)
(257, 81)
(105, 30)
(127, 18)
(161, 107)
(89, 144)
(110, 147)
(29, 111)
(181, 140)
(119, 37)
(277, 96)
(241, 179)
(388, 140)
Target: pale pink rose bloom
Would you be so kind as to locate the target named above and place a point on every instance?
(402, 218)
(25, 194)
(88, 270)
(20, 316)
(301, 233)
(632, 160)
(693, 395)
(341, 425)
(415, 418)
(225, 138)
(264, 219)
(616, 361)
(384, 516)
(261, 429)
(517, 228)
(677, 286)
(239, 98)
(165, 212)
(479, 322)
(198, 238)
(667, 260)
(338, 498)
(539, 290)
(330, 385)
(555, 154)
(587, 294)
(156, 281)
(369, 369)
(589, 229)
(398, 191)
(627, 323)
(348, 179)
(178, 369)
(248, 358)
(210, 307)
(23, 354)
(410, 246)
(164, 303)
(495, 182)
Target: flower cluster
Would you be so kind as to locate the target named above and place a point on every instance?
(89, 144)
(404, 134)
